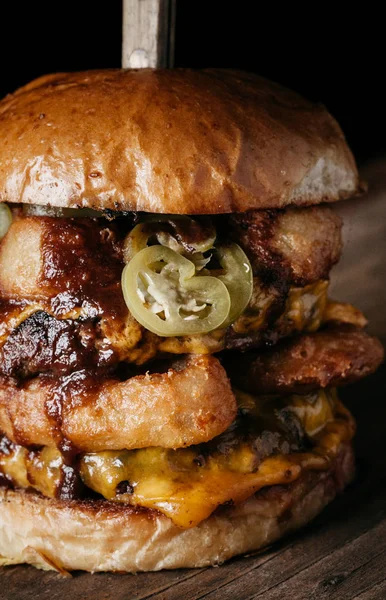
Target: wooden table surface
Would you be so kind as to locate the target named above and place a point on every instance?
(342, 554)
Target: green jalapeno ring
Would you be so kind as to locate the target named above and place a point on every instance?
(134, 242)
(175, 290)
(37, 210)
(199, 246)
(238, 279)
(5, 219)
(138, 237)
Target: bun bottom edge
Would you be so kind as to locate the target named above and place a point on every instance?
(98, 536)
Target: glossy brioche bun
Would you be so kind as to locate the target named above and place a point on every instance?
(102, 536)
(169, 141)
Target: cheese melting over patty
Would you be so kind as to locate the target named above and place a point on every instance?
(271, 442)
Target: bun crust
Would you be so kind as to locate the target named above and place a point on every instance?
(169, 141)
(101, 536)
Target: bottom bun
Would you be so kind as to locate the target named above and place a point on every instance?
(102, 536)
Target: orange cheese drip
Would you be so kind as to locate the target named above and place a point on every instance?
(173, 483)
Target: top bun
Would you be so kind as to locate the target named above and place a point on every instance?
(169, 141)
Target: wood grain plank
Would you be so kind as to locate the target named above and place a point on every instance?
(27, 583)
(351, 567)
(376, 592)
(216, 578)
(364, 578)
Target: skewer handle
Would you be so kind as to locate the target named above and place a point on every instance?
(148, 33)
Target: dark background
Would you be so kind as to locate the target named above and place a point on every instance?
(328, 54)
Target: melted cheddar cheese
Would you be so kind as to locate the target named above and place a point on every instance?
(187, 485)
(39, 469)
(188, 489)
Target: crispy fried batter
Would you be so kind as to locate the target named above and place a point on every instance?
(188, 404)
(298, 244)
(21, 260)
(332, 357)
(343, 312)
(69, 264)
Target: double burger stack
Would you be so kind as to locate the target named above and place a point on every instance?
(169, 353)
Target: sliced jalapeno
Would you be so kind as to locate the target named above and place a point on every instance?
(177, 232)
(34, 210)
(135, 241)
(164, 295)
(5, 219)
(187, 233)
(237, 277)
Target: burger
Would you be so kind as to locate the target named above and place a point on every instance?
(169, 353)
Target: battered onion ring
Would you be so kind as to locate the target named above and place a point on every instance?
(325, 358)
(189, 404)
